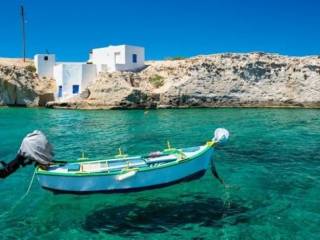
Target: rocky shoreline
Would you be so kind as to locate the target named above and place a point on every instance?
(220, 80)
(82, 106)
(20, 85)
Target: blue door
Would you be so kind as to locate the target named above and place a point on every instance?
(60, 91)
(134, 58)
(75, 89)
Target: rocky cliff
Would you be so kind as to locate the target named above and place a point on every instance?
(249, 80)
(20, 85)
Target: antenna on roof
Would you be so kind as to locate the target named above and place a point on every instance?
(23, 32)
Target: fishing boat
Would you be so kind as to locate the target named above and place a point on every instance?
(131, 173)
(122, 173)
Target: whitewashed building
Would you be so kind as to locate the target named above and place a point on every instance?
(117, 58)
(74, 77)
(71, 77)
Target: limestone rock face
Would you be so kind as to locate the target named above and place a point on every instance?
(20, 86)
(248, 80)
(253, 79)
(241, 80)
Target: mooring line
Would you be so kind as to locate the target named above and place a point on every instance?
(22, 198)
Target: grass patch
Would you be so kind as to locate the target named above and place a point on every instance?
(156, 80)
(31, 68)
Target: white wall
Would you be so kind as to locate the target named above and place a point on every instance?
(44, 68)
(139, 51)
(69, 74)
(89, 74)
(102, 56)
(58, 76)
(109, 57)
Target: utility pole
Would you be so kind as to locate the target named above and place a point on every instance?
(23, 33)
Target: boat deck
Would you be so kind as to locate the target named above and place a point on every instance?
(122, 163)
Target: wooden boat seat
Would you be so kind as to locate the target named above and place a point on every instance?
(93, 167)
(118, 165)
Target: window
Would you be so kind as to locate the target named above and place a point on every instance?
(60, 91)
(75, 89)
(46, 58)
(134, 58)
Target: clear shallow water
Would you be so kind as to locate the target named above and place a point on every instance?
(271, 163)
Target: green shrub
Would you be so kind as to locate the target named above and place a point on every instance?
(30, 68)
(156, 80)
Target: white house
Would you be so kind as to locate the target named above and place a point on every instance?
(73, 77)
(117, 58)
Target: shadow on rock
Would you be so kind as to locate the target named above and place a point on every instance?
(163, 215)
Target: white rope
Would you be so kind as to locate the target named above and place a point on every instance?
(22, 198)
(29, 187)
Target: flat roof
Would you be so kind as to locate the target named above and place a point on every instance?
(121, 45)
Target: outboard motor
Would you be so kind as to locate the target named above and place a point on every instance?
(34, 148)
(221, 136)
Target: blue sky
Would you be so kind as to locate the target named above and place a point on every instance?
(70, 28)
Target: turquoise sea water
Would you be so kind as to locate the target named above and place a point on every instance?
(271, 164)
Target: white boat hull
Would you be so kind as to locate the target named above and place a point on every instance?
(135, 181)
